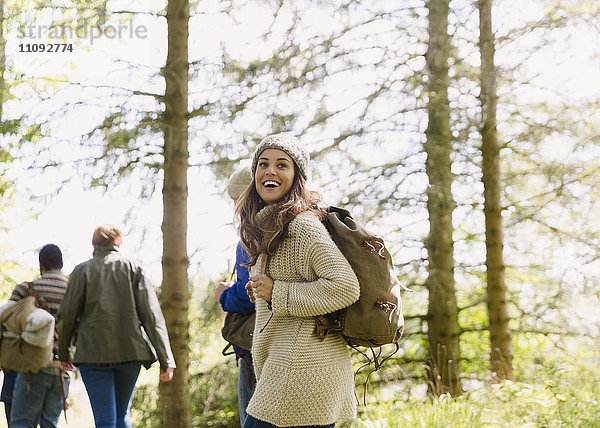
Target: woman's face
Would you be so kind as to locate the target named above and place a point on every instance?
(274, 175)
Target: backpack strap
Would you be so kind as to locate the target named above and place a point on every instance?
(240, 356)
(263, 270)
(41, 302)
(64, 394)
(226, 352)
(328, 323)
(248, 371)
(376, 361)
(264, 264)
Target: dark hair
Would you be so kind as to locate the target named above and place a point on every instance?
(266, 237)
(51, 257)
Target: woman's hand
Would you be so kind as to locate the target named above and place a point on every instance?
(260, 286)
(167, 374)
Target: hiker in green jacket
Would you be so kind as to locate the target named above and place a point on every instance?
(113, 312)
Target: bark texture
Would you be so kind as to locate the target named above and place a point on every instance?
(175, 406)
(443, 328)
(501, 348)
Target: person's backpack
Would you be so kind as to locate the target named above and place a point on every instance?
(27, 335)
(238, 329)
(375, 319)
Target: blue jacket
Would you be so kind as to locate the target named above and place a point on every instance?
(234, 298)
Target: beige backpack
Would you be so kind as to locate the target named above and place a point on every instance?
(27, 338)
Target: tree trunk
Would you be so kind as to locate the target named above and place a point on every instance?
(443, 328)
(501, 349)
(175, 405)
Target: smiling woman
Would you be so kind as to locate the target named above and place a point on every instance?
(296, 272)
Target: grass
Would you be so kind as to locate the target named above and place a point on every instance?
(556, 400)
(561, 393)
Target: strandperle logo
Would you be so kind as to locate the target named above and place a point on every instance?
(65, 31)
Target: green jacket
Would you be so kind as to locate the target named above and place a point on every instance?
(112, 314)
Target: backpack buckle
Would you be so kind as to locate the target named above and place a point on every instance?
(373, 246)
(325, 324)
(385, 306)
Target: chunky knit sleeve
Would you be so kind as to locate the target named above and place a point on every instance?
(330, 281)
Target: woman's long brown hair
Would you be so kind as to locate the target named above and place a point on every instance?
(266, 237)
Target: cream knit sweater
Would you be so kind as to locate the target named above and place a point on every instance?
(301, 380)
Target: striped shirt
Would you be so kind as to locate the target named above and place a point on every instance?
(51, 287)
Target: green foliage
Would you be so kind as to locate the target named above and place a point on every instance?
(214, 376)
(11, 274)
(561, 397)
(126, 145)
(144, 412)
(18, 128)
(5, 194)
(558, 386)
(214, 395)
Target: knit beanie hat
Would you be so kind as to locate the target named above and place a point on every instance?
(289, 144)
(239, 180)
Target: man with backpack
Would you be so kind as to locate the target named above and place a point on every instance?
(42, 396)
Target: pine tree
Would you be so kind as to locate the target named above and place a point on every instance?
(442, 316)
(175, 405)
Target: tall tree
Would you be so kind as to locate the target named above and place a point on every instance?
(442, 316)
(501, 349)
(175, 405)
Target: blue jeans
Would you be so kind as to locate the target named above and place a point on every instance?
(110, 390)
(252, 422)
(244, 389)
(42, 403)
